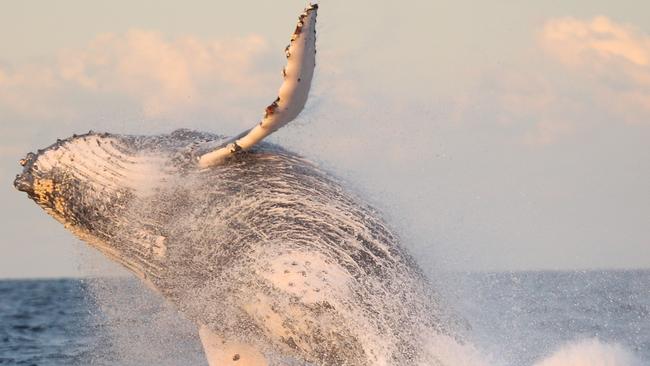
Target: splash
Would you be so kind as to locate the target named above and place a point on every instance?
(138, 328)
(587, 352)
(591, 352)
(448, 351)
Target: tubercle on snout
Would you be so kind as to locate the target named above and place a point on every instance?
(31, 156)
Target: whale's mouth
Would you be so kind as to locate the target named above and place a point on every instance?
(25, 181)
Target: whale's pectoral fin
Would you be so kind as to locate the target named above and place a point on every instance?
(292, 96)
(220, 352)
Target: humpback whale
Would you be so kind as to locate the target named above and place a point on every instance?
(264, 251)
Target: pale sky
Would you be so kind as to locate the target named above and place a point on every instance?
(493, 136)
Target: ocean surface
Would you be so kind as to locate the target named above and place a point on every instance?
(590, 318)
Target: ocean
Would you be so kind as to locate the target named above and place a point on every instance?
(587, 318)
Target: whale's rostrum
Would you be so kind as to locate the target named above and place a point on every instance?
(260, 248)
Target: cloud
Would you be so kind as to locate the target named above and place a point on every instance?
(519, 103)
(26, 90)
(578, 72)
(612, 58)
(579, 75)
(578, 42)
(144, 70)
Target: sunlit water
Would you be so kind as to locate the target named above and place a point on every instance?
(524, 318)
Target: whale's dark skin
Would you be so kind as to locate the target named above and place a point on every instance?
(265, 249)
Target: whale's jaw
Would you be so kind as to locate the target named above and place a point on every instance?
(24, 183)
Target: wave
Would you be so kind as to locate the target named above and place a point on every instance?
(586, 352)
(591, 352)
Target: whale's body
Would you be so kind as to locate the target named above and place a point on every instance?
(266, 250)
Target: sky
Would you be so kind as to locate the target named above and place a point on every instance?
(501, 135)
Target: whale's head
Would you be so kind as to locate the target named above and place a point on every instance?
(66, 178)
(51, 181)
(98, 186)
(82, 179)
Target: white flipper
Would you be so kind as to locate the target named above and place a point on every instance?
(219, 352)
(292, 96)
